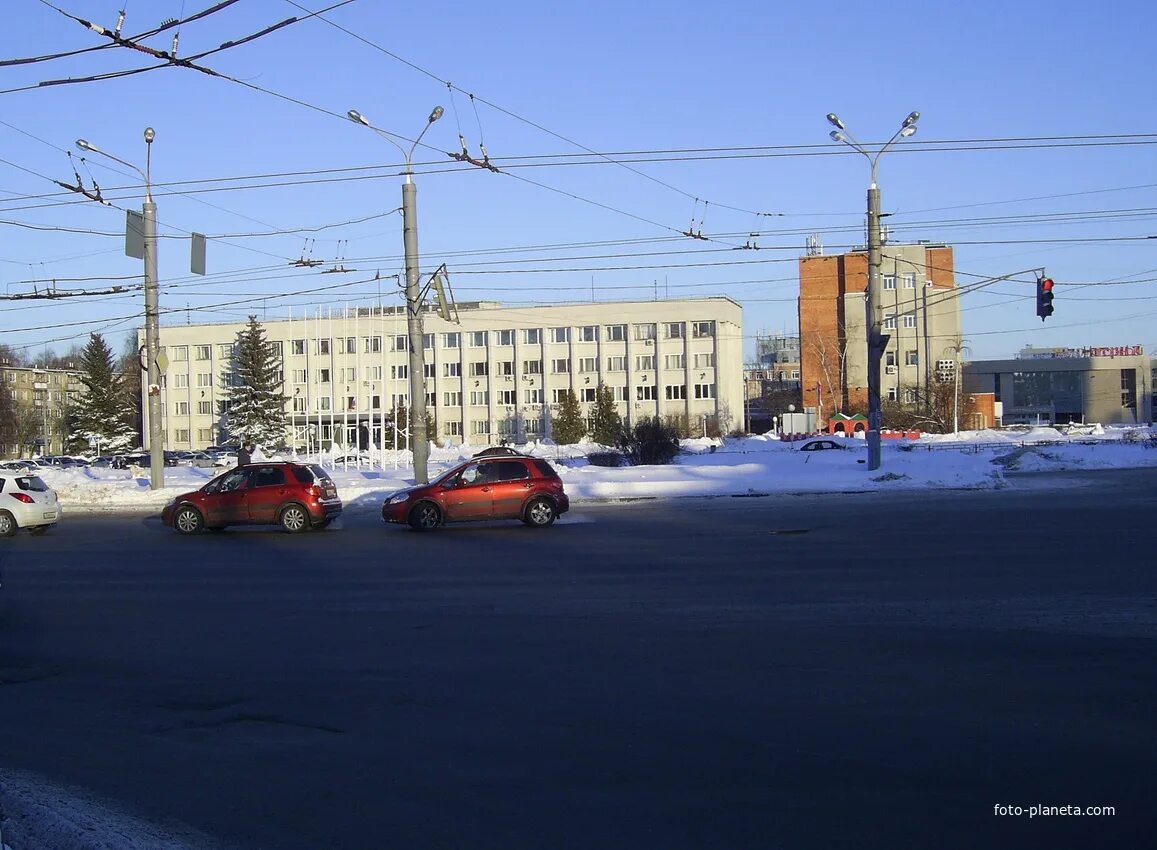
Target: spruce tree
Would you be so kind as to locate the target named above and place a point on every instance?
(103, 415)
(255, 404)
(568, 425)
(606, 424)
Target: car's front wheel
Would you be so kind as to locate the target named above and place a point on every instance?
(7, 524)
(188, 520)
(294, 519)
(425, 516)
(540, 513)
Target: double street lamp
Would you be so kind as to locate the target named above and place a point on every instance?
(877, 341)
(419, 440)
(152, 330)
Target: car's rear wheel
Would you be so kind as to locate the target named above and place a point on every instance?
(188, 520)
(7, 524)
(540, 513)
(425, 516)
(294, 519)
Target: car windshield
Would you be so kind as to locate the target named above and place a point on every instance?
(31, 482)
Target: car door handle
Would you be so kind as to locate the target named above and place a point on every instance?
(485, 489)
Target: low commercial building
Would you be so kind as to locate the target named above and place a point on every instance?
(498, 374)
(1106, 384)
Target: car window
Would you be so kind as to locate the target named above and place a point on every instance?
(472, 474)
(32, 483)
(234, 480)
(508, 470)
(544, 468)
(319, 474)
(266, 476)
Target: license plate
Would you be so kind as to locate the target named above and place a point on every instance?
(50, 514)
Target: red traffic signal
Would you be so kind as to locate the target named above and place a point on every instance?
(1044, 297)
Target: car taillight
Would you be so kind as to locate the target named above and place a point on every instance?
(22, 497)
(315, 491)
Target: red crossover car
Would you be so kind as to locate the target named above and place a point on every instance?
(297, 496)
(497, 487)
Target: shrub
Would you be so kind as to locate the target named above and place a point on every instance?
(650, 441)
(606, 459)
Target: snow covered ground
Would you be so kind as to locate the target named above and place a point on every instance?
(733, 466)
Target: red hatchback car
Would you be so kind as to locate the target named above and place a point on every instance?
(296, 496)
(497, 487)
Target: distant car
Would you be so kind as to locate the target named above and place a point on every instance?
(821, 445)
(498, 451)
(497, 487)
(26, 502)
(296, 496)
(200, 460)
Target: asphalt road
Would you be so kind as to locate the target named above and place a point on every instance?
(847, 670)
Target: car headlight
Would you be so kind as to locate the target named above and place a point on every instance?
(397, 498)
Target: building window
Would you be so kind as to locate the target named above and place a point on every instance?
(560, 334)
(795, 374)
(587, 394)
(480, 427)
(452, 429)
(431, 399)
(324, 403)
(705, 360)
(480, 398)
(203, 352)
(430, 370)
(909, 396)
(1129, 389)
(891, 393)
(889, 321)
(705, 391)
(532, 367)
(674, 361)
(349, 374)
(911, 357)
(588, 364)
(400, 343)
(180, 381)
(505, 337)
(205, 379)
(616, 333)
(505, 368)
(479, 369)
(428, 342)
(275, 348)
(909, 320)
(351, 403)
(298, 346)
(645, 362)
(676, 391)
(532, 336)
(180, 353)
(645, 392)
(699, 330)
(323, 376)
(451, 340)
(889, 281)
(452, 399)
(559, 395)
(182, 435)
(181, 408)
(508, 397)
(372, 345)
(400, 372)
(205, 408)
(620, 393)
(373, 373)
(205, 435)
(298, 404)
(588, 333)
(477, 339)
(451, 370)
(533, 396)
(889, 358)
(643, 332)
(674, 330)
(561, 366)
(347, 345)
(617, 363)
(909, 281)
(322, 346)
(299, 376)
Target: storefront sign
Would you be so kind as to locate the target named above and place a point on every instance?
(1098, 351)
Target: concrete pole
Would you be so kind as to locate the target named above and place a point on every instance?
(876, 340)
(419, 440)
(152, 346)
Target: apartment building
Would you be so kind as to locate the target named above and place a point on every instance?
(495, 375)
(920, 311)
(40, 401)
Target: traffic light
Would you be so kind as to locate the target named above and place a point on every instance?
(1044, 297)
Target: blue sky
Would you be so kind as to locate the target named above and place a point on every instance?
(611, 77)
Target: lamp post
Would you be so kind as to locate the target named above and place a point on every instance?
(152, 330)
(957, 348)
(419, 441)
(877, 341)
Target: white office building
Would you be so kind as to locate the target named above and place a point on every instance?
(495, 375)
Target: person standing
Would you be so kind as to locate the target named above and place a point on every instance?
(245, 455)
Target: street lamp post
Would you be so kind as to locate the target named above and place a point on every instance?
(877, 340)
(152, 329)
(957, 348)
(419, 441)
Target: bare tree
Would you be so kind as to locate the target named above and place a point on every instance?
(831, 354)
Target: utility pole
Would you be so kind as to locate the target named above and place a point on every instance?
(152, 329)
(419, 439)
(877, 341)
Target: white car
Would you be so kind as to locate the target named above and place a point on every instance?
(26, 502)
